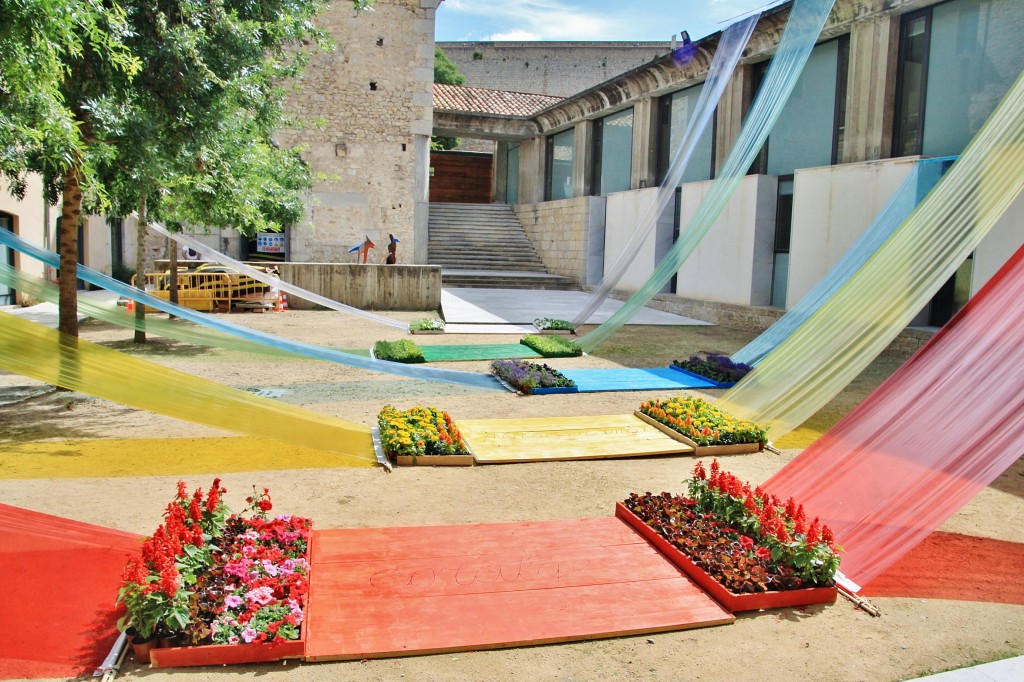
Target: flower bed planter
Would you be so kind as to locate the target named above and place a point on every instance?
(730, 600)
(718, 384)
(426, 331)
(434, 461)
(232, 586)
(442, 445)
(703, 450)
(551, 332)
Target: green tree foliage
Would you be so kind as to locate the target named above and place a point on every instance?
(446, 72)
(166, 107)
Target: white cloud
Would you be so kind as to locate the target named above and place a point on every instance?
(514, 35)
(537, 19)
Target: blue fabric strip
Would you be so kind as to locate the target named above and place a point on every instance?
(309, 350)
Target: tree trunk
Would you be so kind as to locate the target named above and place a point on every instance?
(67, 278)
(172, 279)
(140, 268)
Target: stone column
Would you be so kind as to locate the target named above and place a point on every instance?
(732, 106)
(871, 89)
(644, 171)
(583, 153)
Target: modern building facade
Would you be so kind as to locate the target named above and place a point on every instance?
(888, 82)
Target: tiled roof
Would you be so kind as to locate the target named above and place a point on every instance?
(484, 101)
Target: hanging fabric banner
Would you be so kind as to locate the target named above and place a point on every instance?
(838, 341)
(806, 19)
(209, 253)
(179, 330)
(923, 176)
(941, 428)
(727, 55)
(309, 350)
(34, 351)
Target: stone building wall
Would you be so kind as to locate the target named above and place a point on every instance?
(372, 98)
(554, 68)
(561, 232)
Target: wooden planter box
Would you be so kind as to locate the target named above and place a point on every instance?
(426, 331)
(702, 450)
(752, 601)
(433, 460)
(718, 384)
(553, 332)
(230, 654)
(554, 389)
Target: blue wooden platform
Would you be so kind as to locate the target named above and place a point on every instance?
(630, 379)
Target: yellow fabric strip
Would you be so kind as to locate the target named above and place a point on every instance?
(46, 355)
(836, 343)
(128, 457)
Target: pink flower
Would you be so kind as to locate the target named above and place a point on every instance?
(232, 601)
(249, 635)
(233, 639)
(270, 568)
(261, 595)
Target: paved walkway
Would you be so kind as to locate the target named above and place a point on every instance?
(1007, 670)
(523, 306)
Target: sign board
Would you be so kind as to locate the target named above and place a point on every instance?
(270, 242)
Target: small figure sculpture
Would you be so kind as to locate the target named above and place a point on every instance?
(392, 250)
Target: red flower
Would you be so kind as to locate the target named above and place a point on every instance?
(746, 543)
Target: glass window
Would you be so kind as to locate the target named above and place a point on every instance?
(975, 55)
(957, 61)
(512, 175)
(613, 152)
(913, 66)
(783, 230)
(560, 165)
(677, 110)
(804, 136)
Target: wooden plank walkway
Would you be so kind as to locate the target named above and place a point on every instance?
(499, 441)
(381, 592)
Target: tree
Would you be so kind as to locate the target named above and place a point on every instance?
(150, 129)
(446, 72)
(43, 46)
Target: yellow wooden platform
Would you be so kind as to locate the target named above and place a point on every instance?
(499, 441)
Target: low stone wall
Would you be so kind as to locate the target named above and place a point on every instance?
(560, 231)
(368, 287)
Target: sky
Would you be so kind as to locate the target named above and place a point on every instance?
(605, 20)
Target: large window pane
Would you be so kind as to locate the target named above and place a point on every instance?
(913, 67)
(614, 154)
(976, 53)
(512, 175)
(680, 110)
(560, 164)
(804, 135)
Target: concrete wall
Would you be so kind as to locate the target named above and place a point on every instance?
(732, 264)
(561, 232)
(29, 218)
(548, 68)
(369, 287)
(832, 206)
(1003, 241)
(624, 213)
(374, 94)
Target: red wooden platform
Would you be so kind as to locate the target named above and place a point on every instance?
(381, 592)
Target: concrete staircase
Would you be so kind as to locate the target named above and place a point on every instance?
(483, 246)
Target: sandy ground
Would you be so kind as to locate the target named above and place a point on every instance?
(912, 638)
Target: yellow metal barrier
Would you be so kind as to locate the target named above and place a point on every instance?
(213, 289)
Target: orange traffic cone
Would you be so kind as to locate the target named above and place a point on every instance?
(282, 303)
